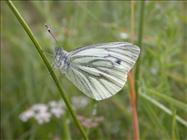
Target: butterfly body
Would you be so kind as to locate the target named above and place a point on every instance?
(99, 71)
(61, 57)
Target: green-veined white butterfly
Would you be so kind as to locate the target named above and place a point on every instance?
(99, 71)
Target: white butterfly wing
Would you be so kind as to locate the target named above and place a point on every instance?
(100, 71)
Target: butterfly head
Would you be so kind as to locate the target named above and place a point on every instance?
(59, 56)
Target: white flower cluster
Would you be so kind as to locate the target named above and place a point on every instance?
(42, 113)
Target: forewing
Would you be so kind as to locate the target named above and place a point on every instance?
(100, 71)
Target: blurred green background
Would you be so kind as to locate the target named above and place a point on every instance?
(25, 81)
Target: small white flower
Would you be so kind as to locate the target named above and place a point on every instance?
(42, 117)
(57, 111)
(79, 102)
(57, 108)
(25, 116)
(154, 70)
(123, 35)
(41, 113)
(39, 107)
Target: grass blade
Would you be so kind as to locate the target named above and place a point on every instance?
(168, 99)
(162, 107)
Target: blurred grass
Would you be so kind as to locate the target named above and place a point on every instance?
(25, 81)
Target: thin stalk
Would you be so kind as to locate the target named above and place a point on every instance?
(46, 62)
(132, 28)
(132, 84)
(139, 42)
(133, 107)
(184, 34)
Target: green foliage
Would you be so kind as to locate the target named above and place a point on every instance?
(162, 79)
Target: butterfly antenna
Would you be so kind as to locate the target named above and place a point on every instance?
(51, 33)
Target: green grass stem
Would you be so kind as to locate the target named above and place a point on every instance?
(139, 43)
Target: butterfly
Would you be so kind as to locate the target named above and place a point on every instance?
(100, 70)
